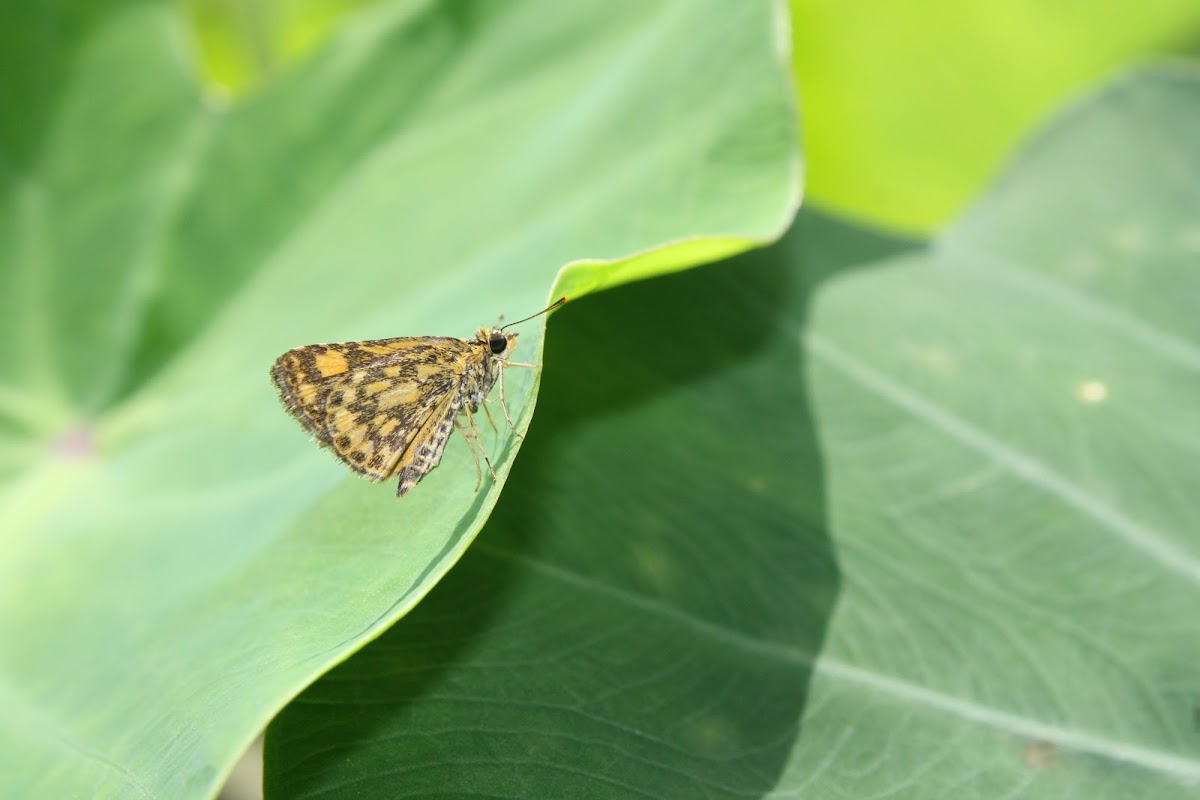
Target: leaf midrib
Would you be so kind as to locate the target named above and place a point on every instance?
(1003, 270)
(1187, 769)
(1140, 536)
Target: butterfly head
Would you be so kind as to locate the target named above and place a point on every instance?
(500, 343)
(497, 341)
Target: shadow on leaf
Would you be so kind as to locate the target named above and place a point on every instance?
(640, 615)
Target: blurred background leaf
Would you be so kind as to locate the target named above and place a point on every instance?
(872, 519)
(243, 44)
(909, 107)
(176, 560)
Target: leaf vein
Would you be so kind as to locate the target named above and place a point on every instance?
(1185, 769)
(1139, 535)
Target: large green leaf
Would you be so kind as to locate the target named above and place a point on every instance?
(937, 537)
(908, 107)
(176, 560)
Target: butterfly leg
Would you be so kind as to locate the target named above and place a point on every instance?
(489, 416)
(474, 431)
(474, 455)
(504, 407)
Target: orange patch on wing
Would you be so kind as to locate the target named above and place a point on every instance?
(331, 362)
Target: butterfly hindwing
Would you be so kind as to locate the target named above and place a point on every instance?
(374, 414)
(416, 461)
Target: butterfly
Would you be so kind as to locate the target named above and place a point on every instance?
(387, 407)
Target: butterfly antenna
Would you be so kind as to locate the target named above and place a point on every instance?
(550, 307)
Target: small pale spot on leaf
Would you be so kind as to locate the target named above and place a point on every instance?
(1131, 237)
(1040, 754)
(1092, 392)
(934, 358)
(653, 563)
(714, 737)
(1189, 240)
(75, 443)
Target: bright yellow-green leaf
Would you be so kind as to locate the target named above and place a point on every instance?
(910, 107)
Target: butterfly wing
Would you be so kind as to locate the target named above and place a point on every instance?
(370, 401)
(426, 451)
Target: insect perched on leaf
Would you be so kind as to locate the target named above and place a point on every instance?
(387, 406)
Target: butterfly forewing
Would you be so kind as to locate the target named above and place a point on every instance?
(305, 376)
(367, 401)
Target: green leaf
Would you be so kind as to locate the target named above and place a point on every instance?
(908, 108)
(935, 537)
(176, 560)
(244, 43)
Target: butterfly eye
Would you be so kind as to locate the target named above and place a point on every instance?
(498, 342)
